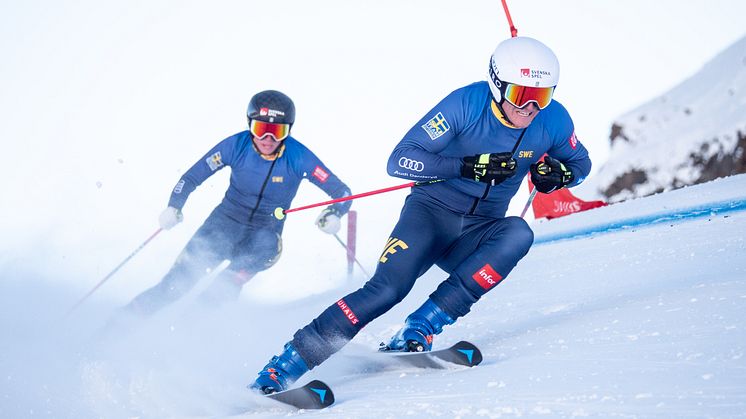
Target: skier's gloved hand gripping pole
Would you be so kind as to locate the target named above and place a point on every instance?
(490, 168)
(547, 176)
(550, 175)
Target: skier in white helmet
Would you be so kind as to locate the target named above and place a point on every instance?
(481, 140)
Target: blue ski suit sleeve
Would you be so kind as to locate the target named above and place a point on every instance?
(218, 157)
(568, 149)
(313, 169)
(418, 155)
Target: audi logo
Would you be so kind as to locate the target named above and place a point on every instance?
(410, 164)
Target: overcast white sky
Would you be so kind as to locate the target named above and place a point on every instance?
(105, 104)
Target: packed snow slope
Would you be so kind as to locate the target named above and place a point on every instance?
(632, 310)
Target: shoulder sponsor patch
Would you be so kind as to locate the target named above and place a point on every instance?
(573, 141)
(320, 174)
(436, 126)
(179, 186)
(215, 161)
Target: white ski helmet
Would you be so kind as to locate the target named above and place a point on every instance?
(522, 61)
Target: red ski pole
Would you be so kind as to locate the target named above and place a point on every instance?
(280, 213)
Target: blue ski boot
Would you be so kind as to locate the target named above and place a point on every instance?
(280, 372)
(419, 329)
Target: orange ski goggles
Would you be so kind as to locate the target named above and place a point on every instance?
(520, 96)
(260, 128)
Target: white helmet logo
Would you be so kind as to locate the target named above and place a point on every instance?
(270, 112)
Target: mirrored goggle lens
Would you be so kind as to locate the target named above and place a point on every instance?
(278, 131)
(520, 96)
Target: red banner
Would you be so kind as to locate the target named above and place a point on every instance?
(559, 203)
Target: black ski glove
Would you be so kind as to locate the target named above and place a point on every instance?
(550, 175)
(489, 168)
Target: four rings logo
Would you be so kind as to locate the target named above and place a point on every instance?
(410, 164)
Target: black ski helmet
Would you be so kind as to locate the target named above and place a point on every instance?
(271, 106)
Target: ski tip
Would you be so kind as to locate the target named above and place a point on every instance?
(323, 392)
(314, 395)
(471, 354)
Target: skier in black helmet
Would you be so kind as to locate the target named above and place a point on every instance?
(267, 166)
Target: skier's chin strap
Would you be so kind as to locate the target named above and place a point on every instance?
(270, 157)
(497, 110)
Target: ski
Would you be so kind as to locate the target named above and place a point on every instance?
(314, 395)
(462, 353)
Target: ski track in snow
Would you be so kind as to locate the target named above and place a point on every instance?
(640, 322)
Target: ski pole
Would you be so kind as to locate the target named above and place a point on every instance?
(280, 213)
(528, 203)
(353, 257)
(113, 272)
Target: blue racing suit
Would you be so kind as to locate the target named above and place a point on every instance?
(242, 228)
(457, 224)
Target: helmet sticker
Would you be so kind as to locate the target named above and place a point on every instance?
(535, 74)
(215, 161)
(436, 126)
(270, 112)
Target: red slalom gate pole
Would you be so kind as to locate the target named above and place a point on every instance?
(351, 244)
(513, 30)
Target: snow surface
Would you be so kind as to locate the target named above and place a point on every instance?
(105, 104)
(643, 321)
